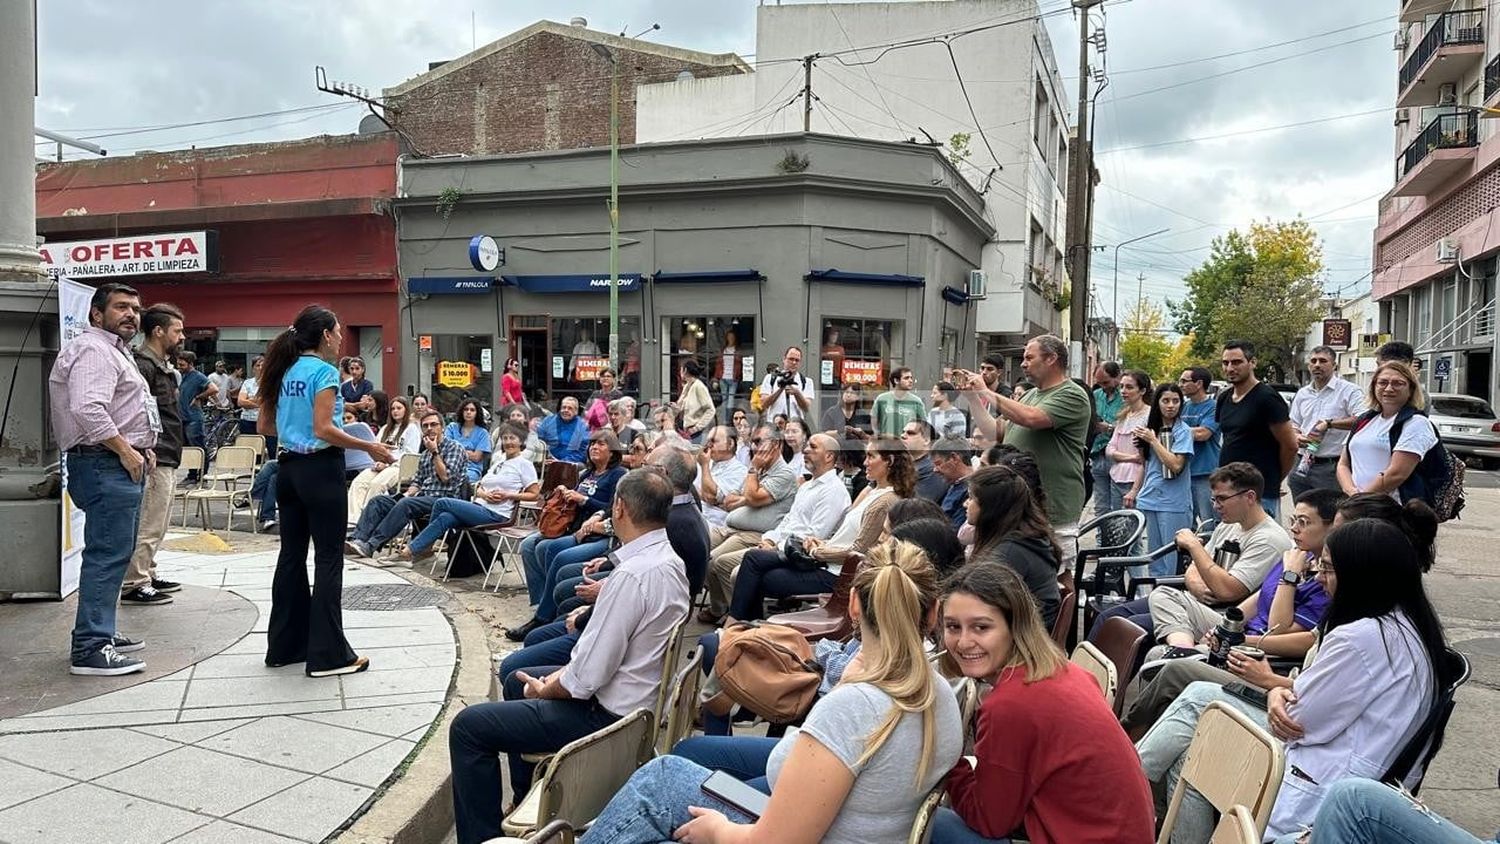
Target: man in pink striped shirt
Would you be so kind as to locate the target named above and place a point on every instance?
(106, 425)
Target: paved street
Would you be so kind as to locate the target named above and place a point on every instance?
(224, 750)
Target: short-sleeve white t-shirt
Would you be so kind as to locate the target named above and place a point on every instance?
(1370, 447)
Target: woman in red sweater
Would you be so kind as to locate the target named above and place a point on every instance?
(1048, 754)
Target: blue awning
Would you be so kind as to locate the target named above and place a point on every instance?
(866, 278)
(710, 276)
(629, 282)
(451, 285)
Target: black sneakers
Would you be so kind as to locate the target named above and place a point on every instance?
(126, 645)
(165, 585)
(107, 662)
(145, 596)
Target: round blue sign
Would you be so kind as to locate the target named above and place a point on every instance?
(484, 253)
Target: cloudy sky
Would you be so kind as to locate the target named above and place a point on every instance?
(1218, 112)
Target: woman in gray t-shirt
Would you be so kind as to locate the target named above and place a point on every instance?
(858, 768)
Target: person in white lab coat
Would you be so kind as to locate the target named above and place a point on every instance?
(1364, 694)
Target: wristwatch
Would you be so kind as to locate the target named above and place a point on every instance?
(1291, 578)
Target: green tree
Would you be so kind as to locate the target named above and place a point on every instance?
(1143, 341)
(1263, 286)
(1181, 357)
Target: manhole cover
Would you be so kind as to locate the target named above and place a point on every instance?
(394, 596)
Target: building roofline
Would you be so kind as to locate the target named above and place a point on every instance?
(568, 31)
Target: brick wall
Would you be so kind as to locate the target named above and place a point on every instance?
(546, 92)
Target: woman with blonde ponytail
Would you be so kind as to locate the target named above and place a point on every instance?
(1043, 738)
(857, 769)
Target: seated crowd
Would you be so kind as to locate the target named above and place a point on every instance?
(956, 552)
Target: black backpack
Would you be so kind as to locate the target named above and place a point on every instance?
(1439, 476)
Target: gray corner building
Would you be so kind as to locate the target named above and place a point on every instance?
(731, 250)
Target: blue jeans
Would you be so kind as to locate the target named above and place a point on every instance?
(102, 489)
(713, 725)
(1161, 527)
(449, 514)
(565, 595)
(1203, 500)
(949, 828)
(1104, 495)
(386, 515)
(743, 757)
(547, 646)
(264, 488)
(480, 733)
(1138, 611)
(727, 388)
(563, 552)
(536, 576)
(655, 802)
(1358, 811)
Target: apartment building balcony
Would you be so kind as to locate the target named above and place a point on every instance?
(1453, 46)
(1445, 148)
(1416, 11)
(1491, 84)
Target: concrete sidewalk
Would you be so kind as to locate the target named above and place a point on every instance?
(225, 750)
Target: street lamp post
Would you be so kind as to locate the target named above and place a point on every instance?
(614, 204)
(1115, 303)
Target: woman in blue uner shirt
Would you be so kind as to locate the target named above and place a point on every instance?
(469, 430)
(1167, 502)
(301, 405)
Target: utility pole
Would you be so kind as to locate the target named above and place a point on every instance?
(614, 204)
(1080, 190)
(1140, 280)
(807, 64)
(1115, 299)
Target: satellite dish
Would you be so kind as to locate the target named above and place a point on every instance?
(684, 75)
(372, 125)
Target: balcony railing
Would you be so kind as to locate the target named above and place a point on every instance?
(1450, 28)
(1446, 131)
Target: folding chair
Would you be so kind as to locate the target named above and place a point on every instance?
(407, 469)
(921, 828)
(234, 464)
(1424, 745)
(1092, 660)
(1116, 534)
(255, 441)
(1230, 762)
(682, 703)
(1062, 627)
(578, 781)
(192, 461)
(1124, 644)
(830, 620)
(1236, 827)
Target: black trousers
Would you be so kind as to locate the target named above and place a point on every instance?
(312, 503)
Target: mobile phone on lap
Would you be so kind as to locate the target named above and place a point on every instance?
(722, 786)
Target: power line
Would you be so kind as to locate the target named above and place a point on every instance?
(970, 103)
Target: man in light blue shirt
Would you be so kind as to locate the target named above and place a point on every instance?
(1199, 413)
(565, 432)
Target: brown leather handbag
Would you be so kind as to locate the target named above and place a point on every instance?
(558, 513)
(768, 669)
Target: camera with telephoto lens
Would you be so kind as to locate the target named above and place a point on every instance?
(786, 378)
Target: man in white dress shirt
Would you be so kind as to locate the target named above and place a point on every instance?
(1326, 400)
(614, 670)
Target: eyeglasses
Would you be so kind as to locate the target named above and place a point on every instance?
(1318, 567)
(1221, 499)
(1301, 521)
(1384, 384)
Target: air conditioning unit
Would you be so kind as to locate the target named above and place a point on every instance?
(1403, 115)
(1401, 41)
(1447, 251)
(977, 282)
(1448, 94)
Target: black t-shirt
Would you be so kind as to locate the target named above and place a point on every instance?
(1246, 426)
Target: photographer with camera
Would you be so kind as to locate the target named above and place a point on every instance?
(786, 390)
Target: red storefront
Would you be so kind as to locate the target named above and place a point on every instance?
(290, 224)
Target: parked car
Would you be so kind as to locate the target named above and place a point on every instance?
(1468, 426)
(1286, 391)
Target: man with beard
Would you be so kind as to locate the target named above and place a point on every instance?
(162, 326)
(106, 424)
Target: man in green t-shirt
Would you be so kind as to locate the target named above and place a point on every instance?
(898, 406)
(1052, 424)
